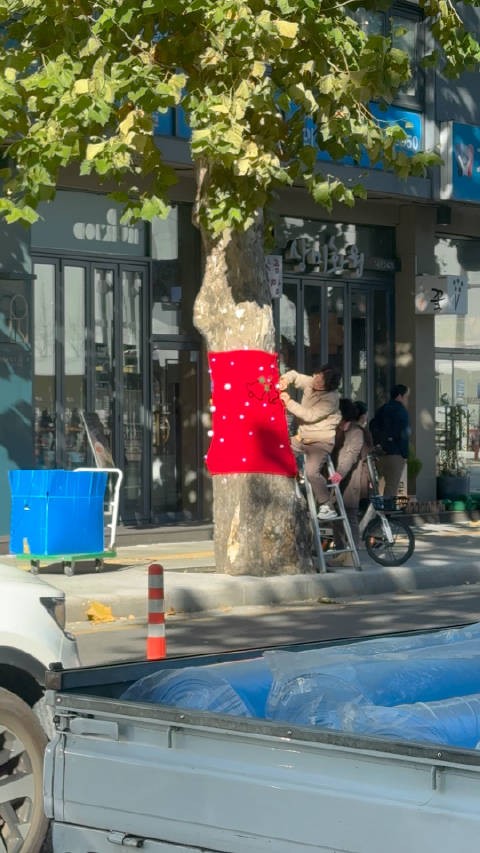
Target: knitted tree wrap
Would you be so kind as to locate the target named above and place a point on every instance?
(249, 427)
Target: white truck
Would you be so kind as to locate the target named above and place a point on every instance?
(32, 636)
(197, 754)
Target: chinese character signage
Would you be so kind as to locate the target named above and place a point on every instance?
(273, 269)
(304, 254)
(460, 151)
(441, 294)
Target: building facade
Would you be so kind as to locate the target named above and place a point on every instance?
(97, 317)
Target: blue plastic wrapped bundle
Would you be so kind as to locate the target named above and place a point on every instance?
(312, 696)
(384, 646)
(454, 722)
(317, 700)
(239, 688)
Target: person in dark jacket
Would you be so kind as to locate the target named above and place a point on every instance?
(395, 424)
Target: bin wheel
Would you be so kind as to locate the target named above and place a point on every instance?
(98, 564)
(69, 568)
(34, 566)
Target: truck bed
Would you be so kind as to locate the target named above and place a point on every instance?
(137, 774)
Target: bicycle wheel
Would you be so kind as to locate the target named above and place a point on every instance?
(389, 553)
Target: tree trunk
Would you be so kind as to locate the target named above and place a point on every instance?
(261, 528)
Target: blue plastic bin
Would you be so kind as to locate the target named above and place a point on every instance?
(57, 512)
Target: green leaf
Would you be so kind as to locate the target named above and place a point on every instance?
(287, 29)
(77, 91)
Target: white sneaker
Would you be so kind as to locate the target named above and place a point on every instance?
(326, 512)
(336, 560)
(341, 560)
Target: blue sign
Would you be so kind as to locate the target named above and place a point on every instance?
(465, 162)
(172, 122)
(412, 124)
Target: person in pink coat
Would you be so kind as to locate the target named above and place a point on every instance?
(352, 445)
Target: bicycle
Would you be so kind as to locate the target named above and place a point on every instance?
(389, 541)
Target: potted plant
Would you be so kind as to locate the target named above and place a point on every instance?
(414, 464)
(453, 480)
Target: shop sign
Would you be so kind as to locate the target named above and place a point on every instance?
(171, 122)
(441, 294)
(382, 264)
(460, 152)
(307, 255)
(108, 231)
(410, 122)
(273, 269)
(86, 222)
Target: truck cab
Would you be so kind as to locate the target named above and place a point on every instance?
(32, 637)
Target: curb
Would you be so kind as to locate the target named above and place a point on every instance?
(198, 592)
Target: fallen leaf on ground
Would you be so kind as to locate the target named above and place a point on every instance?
(98, 612)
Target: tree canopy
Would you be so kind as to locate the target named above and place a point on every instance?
(81, 81)
(80, 84)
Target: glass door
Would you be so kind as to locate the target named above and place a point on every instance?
(118, 378)
(359, 345)
(44, 366)
(103, 392)
(175, 433)
(72, 445)
(348, 325)
(131, 441)
(89, 343)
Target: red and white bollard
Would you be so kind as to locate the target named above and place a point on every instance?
(156, 637)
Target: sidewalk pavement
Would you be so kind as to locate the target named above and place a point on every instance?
(445, 555)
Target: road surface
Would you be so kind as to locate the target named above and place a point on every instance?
(261, 626)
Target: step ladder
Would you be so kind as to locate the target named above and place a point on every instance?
(322, 527)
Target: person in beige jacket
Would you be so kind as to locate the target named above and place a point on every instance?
(318, 416)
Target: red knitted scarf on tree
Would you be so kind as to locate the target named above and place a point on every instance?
(249, 427)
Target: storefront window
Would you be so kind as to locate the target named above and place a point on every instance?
(403, 25)
(372, 23)
(336, 327)
(288, 327)
(458, 385)
(104, 378)
(133, 408)
(175, 436)
(359, 379)
(405, 36)
(382, 348)
(15, 377)
(74, 369)
(44, 364)
(455, 256)
(312, 324)
(457, 345)
(175, 249)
